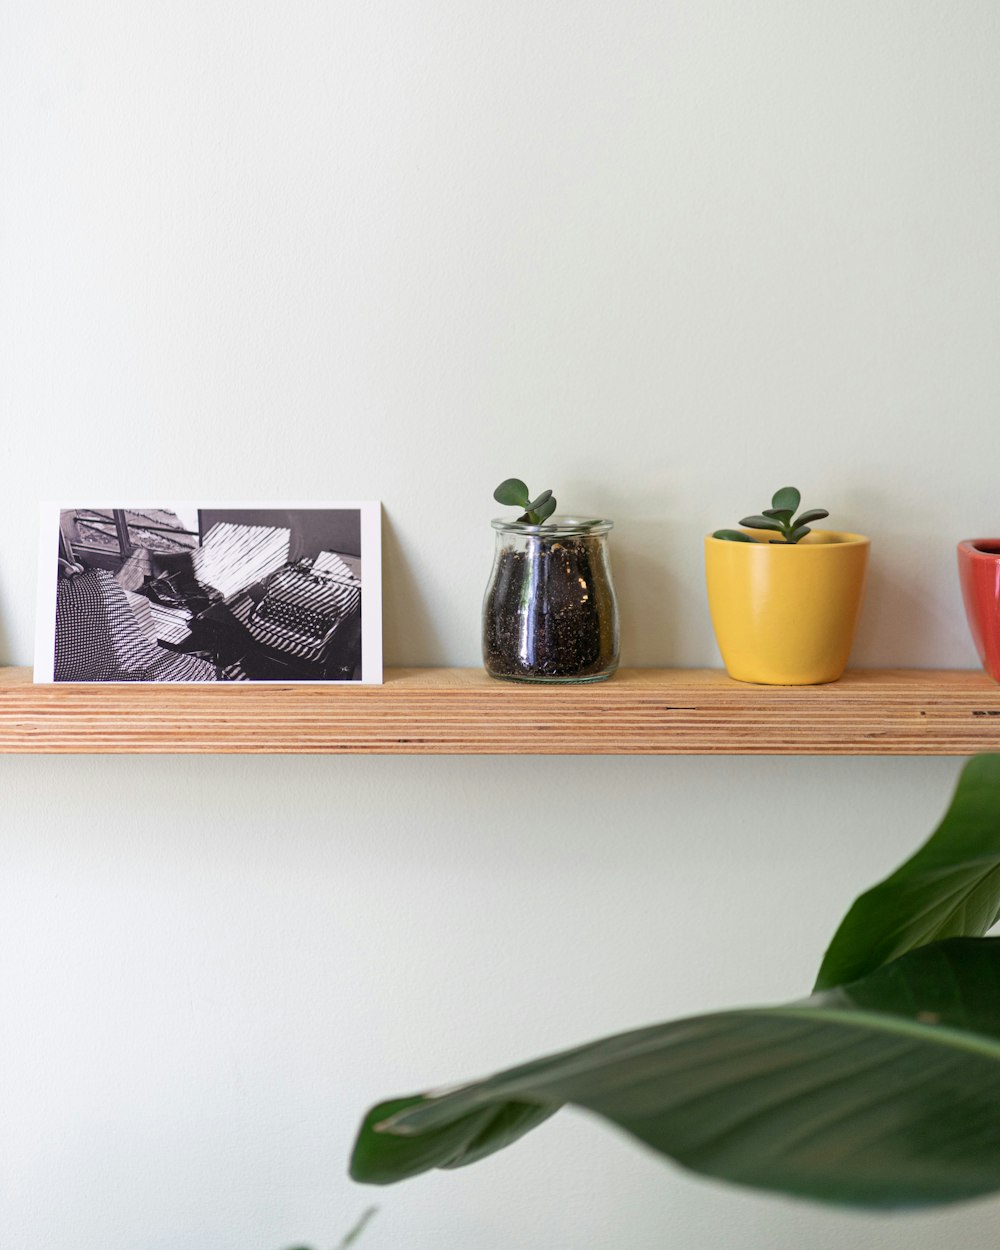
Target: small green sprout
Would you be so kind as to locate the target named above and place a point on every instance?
(778, 518)
(514, 492)
(353, 1235)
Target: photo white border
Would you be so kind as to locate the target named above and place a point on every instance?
(371, 584)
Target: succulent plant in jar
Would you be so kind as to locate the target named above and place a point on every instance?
(550, 613)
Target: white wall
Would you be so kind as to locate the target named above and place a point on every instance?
(662, 257)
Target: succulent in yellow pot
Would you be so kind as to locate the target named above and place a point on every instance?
(784, 597)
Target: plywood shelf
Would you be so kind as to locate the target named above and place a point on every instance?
(463, 712)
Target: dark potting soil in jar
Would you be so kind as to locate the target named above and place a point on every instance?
(550, 613)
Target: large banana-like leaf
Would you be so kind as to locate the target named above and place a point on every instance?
(882, 1093)
(949, 888)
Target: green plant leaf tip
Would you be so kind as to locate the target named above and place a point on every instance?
(514, 492)
(788, 497)
(879, 1091)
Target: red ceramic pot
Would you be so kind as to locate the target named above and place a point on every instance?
(979, 573)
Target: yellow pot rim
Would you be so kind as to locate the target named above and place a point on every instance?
(831, 539)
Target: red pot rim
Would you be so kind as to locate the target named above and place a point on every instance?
(974, 548)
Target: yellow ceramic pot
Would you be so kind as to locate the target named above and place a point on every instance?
(785, 615)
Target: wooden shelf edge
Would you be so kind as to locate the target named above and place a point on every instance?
(448, 711)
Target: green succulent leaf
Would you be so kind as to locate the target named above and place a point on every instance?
(734, 536)
(545, 510)
(762, 523)
(514, 492)
(814, 514)
(542, 498)
(949, 888)
(882, 1093)
(788, 497)
(778, 517)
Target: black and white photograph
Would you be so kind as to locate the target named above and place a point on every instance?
(189, 593)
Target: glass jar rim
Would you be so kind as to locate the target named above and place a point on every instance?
(555, 527)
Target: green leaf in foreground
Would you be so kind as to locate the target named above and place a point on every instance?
(380, 1157)
(949, 888)
(884, 1093)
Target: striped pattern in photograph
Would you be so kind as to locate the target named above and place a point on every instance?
(233, 557)
(301, 611)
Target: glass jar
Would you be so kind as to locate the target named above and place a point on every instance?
(550, 613)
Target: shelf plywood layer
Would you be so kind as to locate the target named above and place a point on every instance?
(464, 712)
